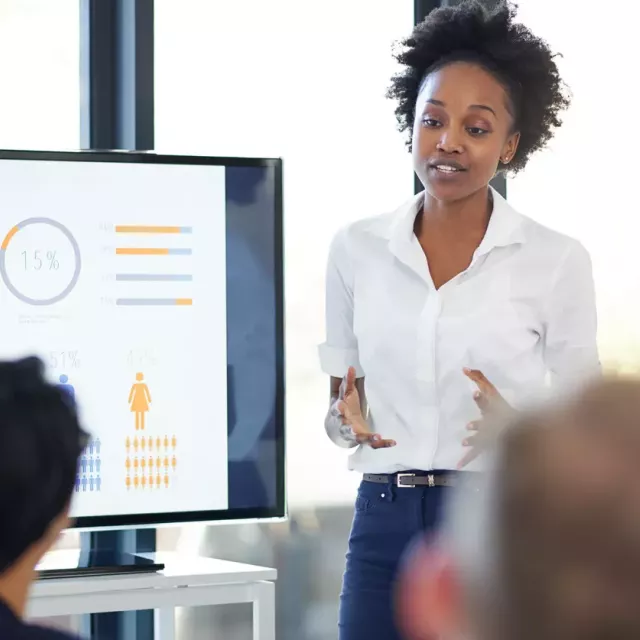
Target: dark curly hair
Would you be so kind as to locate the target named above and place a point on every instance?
(40, 442)
(522, 62)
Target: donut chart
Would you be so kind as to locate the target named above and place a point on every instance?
(59, 289)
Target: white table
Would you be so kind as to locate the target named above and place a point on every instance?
(187, 581)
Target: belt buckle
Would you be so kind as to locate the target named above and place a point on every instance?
(405, 475)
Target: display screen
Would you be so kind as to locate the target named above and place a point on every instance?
(151, 287)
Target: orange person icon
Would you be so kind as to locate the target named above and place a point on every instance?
(150, 444)
(127, 444)
(143, 463)
(139, 400)
(135, 445)
(143, 444)
(166, 462)
(166, 443)
(158, 481)
(127, 464)
(143, 481)
(166, 480)
(174, 463)
(158, 463)
(135, 464)
(136, 482)
(158, 444)
(150, 463)
(128, 482)
(174, 443)
(151, 481)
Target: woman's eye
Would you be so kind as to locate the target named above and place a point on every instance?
(430, 122)
(476, 131)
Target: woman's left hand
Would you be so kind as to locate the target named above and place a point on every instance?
(492, 406)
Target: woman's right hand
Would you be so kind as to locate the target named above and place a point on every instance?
(348, 408)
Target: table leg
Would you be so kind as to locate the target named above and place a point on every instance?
(164, 624)
(264, 611)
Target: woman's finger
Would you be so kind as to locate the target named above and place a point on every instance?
(472, 441)
(350, 380)
(382, 444)
(481, 380)
(374, 440)
(474, 425)
(469, 457)
(482, 401)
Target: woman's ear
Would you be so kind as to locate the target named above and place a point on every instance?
(510, 148)
(428, 598)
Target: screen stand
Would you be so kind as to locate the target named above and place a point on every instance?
(128, 625)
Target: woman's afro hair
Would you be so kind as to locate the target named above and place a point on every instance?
(522, 62)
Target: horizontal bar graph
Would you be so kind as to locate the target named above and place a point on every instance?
(142, 228)
(151, 251)
(154, 277)
(154, 302)
(152, 295)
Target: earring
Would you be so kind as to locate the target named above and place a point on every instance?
(506, 160)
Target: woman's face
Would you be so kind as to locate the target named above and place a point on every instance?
(463, 127)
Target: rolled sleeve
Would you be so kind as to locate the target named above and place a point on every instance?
(335, 361)
(571, 351)
(340, 350)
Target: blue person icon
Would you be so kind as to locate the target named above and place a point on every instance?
(98, 483)
(91, 482)
(84, 483)
(98, 443)
(69, 389)
(83, 464)
(98, 464)
(77, 484)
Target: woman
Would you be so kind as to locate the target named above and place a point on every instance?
(454, 292)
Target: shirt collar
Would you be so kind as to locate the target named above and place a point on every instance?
(505, 226)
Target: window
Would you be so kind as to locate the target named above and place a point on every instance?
(584, 184)
(40, 75)
(285, 78)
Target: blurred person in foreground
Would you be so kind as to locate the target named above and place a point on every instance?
(40, 441)
(546, 545)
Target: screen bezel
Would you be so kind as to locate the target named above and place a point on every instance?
(213, 516)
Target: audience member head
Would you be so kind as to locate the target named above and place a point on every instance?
(547, 544)
(40, 441)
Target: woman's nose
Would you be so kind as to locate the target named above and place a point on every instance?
(450, 142)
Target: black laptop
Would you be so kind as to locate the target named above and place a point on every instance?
(83, 564)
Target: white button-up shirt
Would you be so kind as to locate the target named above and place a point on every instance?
(523, 313)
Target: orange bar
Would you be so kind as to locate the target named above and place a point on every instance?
(132, 228)
(12, 232)
(184, 302)
(126, 251)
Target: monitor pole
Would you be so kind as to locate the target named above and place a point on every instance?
(117, 113)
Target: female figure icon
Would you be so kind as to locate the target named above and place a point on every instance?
(139, 400)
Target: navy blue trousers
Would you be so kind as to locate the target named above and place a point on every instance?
(387, 519)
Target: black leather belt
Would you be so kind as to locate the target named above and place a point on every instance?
(412, 480)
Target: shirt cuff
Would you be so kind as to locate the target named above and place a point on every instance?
(335, 361)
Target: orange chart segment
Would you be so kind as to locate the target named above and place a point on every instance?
(7, 239)
(141, 228)
(151, 251)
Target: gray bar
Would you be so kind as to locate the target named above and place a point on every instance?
(179, 252)
(153, 277)
(147, 302)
